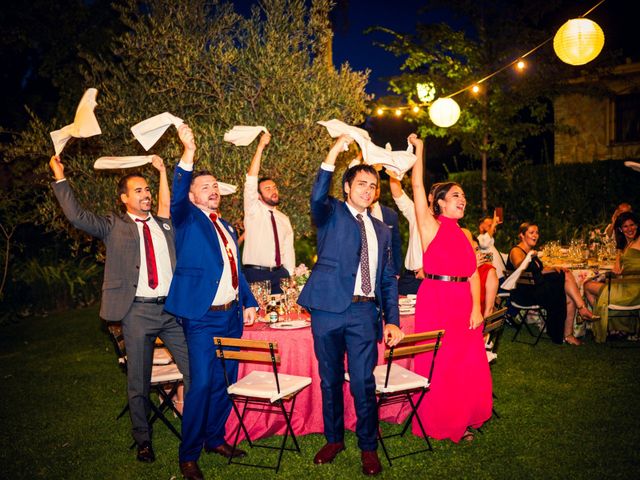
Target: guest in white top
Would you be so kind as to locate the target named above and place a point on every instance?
(411, 278)
(268, 239)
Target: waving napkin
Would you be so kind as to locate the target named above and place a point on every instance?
(396, 163)
(84, 124)
(149, 131)
(633, 165)
(107, 163)
(510, 282)
(243, 135)
(226, 188)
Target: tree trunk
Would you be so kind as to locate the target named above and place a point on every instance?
(485, 143)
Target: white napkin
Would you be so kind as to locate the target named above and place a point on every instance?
(107, 163)
(396, 163)
(510, 282)
(633, 165)
(84, 124)
(226, 188)
(243, 135)
(149, 131)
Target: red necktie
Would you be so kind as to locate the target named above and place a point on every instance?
(275, 238)
(149, 253)
(232, 261)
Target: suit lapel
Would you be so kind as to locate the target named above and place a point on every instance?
(168, 236)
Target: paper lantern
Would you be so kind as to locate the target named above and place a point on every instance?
(578, 41)
(444, 112)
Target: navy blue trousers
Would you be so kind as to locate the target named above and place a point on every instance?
(207, 405)
(354, 332)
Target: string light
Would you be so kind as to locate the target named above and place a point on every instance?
(427, 91)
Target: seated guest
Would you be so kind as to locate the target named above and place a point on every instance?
(623, 207)
(412, 276)
(554, 289)
(488, 280)
(486, 233)
(627, 237)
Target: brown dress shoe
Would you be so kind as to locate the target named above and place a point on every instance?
(145, 453)
(226, 451)
(370, 463)
(327, 453)
(191, 471)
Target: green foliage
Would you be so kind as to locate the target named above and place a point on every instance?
(565, 200)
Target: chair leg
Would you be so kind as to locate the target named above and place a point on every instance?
(124, 410)
(380, 437)
(240, 425)
(519, 325)
(157, 414)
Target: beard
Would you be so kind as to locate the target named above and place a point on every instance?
(271, 202)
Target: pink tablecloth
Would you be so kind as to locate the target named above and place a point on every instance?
(298, 358)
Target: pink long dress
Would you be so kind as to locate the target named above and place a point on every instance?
(460, 394)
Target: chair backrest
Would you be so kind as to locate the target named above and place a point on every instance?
(247, 351)
(431, 341)
(493, 326)
(117, 338)
(622, 278)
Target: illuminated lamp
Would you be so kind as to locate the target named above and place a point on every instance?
(578, 41)
(444, 112)
(398, 112)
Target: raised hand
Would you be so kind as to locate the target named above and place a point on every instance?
(158, 163)
(414, 140)
(56, 167)
(186, 137)
(265, 138)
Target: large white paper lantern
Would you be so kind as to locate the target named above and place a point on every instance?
(578, 41)
(444, 112)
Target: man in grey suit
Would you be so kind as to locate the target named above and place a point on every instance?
(138, 272)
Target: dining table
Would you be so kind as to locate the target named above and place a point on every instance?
(297, 357)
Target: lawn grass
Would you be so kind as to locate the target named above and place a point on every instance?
(566, 412)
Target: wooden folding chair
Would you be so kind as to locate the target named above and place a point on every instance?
(618, 309)
(270, 390)
(493, 327)
(165, 380)
(395, 384)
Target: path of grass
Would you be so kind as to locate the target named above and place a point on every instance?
(566, 413)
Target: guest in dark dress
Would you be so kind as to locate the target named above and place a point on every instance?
(554, 289)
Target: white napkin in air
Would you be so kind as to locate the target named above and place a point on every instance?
(226, 188)
(243, 135)
(149, 131)
(107, 163)
(84, 124)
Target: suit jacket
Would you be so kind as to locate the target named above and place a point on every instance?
(200, 262)
(120, 236)
(390, 218)
(331, 284)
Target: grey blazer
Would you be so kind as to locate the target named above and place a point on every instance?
(120, 236)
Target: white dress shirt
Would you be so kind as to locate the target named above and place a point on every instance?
(259, 245)
(413, 258)
(372, 249)
(163, 260)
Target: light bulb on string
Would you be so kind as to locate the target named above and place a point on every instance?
(379, 111)
(415, 109)
(521, 65)
(475, 89)
(398, 112)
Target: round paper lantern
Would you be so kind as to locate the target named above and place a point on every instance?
(578, 41)
(444, 112)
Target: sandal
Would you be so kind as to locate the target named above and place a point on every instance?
(468, 436)
(586, 316)
(572, 340)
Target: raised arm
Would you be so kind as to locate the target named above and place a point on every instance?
(164, 195)
(181, 182)
(95, 225)
(321, 206)
(251, 197)
(254, 168)
(427, 224)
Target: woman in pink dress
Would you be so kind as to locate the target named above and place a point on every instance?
(449, 298)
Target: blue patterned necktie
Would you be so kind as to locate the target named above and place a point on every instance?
(364, 258)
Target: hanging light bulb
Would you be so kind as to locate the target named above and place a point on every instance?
(379, 111)
(475, 88)
(444, 112)
(578, 41)
(521, 65)
(416, 109)
(398, 112)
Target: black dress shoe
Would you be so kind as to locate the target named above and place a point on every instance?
(191, 471)
(370, 463)
(327, 453)
(226, 451)
(145, 453)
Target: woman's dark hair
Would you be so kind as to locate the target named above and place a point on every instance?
(440, 191)
(621, 240)
(525, 226)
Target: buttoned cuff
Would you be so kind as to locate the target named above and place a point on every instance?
(187, 167)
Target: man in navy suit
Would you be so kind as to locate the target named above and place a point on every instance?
(351, 284)
(212, 298)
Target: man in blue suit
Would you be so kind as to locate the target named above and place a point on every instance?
(212, 298)
(351, 284)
